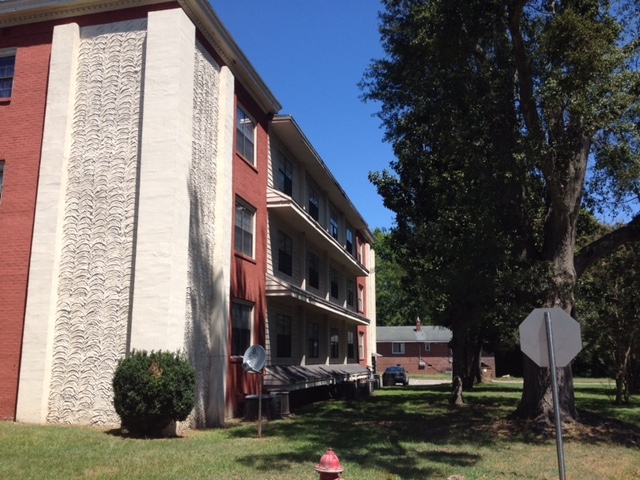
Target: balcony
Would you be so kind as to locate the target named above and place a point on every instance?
(279, 288)
(290, 213)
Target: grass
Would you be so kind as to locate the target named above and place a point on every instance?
(399, 433)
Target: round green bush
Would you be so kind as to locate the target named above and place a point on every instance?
(150, 390)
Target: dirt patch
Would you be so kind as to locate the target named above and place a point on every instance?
(590, 428)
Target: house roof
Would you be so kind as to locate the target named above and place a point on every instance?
(409, 334)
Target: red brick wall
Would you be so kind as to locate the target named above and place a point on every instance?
(21, 124)
(437, 360)
(248, 276)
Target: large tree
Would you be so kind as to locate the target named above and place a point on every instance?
(497, 110)
(398, 301)
(609, 311)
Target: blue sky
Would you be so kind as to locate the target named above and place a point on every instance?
(312, 54)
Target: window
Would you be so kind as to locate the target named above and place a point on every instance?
(244, 229)
(283, 333)
(245, 135)
(1, 177)
(314, 270)
(333, 224)
(397, 348)
(314, 340)
(7, 68)
(360, 298)
(314, 203)
(350, 344)
(334, 340)
(349, 244)
(284, 179)
(241, 314)
(335, 283)
(427, 347)
(285, 253)
(350, 292)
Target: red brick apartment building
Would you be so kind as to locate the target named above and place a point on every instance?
(152, 197)
(421, 349)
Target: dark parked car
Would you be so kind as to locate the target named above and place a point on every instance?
(393, 375)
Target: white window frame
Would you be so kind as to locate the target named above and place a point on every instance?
(334, 332)
(10, 53)
(313, 336)
(314, 262)
(314, 198)
(397, 348)
(427, 346)
(284, 172)
(244, 206)
(350, 289)
(285, 247)
(1, 178)
(334, 224)
(242, 134)
(242, 304)
(334, 279)
(285, 321)
(351, 344)
(350, 240)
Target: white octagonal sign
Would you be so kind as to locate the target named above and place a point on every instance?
(567, 341)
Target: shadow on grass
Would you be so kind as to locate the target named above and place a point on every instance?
(399, 430)
(417, 425)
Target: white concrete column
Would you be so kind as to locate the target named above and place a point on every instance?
(162, 234)
(44, 269)
(371, 303)
(222, 250)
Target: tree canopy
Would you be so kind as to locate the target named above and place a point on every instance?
(507, 117)
(397, 301)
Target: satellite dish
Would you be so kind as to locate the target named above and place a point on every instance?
(254, 359)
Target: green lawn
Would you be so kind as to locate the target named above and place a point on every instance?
(399, 433)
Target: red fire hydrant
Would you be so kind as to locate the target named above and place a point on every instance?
(329, 466)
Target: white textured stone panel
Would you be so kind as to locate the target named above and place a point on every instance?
(98, 228)
(201, 301)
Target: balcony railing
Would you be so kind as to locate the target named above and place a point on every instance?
(285, 207)
(280, 288)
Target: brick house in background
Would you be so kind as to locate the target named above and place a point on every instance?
(420, 349)
(141, 208)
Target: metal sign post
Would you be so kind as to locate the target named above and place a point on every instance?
(253, 362)
(563, 342)
(260, 406)
(556, 401)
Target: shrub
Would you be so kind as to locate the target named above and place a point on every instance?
(150, 390)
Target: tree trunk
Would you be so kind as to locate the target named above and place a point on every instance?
(537, 397)
(466, 360)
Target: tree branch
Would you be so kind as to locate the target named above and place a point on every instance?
(525, 78)
(606, 245)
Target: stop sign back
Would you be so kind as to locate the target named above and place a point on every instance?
(567, 341)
